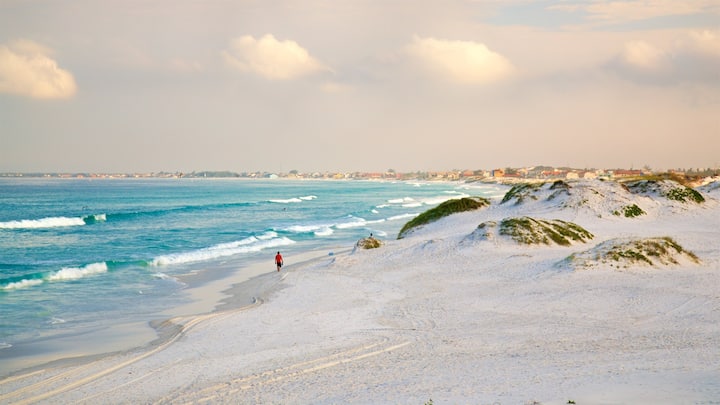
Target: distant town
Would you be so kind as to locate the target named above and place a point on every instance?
(535, 172)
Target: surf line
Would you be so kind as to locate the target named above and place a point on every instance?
(45, 384)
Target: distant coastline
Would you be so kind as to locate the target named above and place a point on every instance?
(499, 175)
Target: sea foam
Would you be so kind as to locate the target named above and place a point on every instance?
(74, 273)
(248, 245)
(52, 222)
(22, 284)
(293, 200)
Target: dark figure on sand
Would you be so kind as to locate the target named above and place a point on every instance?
(278, 260)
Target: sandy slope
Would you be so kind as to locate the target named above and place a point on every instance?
(443, 317)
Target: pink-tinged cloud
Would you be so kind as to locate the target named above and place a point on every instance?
(694, 57)
(26, 69)
(460, 61)
(271, 58)
(642, 55)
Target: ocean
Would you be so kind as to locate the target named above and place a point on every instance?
(87, 264)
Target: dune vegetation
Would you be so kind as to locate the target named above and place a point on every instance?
(630, 211)
(627, 253)
(520, 192)
(531, 231)
(669, 189)
(369, 243)
(444, 209)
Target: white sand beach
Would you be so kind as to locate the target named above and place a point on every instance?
(448, 314)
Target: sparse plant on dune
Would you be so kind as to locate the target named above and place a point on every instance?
(684, 194)
(444, 209)
(521, 191)
(369, 243)
(533, 231)
(667, 188)
(630, 211)
(623, 253)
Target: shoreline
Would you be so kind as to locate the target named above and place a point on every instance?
(256, 288)
(245, 288)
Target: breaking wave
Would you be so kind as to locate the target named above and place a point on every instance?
(64, 274)
(294, 199)
(247, 245)
(53, 222)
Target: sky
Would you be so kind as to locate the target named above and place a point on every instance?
(372, 85)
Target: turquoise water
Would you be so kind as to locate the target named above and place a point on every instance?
(81, 255)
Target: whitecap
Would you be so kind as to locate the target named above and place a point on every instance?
(90, 219)
(74, 273)
(327, 231)
(4, 345)
(286, 201)
(268, 235)
(401, 216)
(221, 250)
(304, 228)
(22, 284)
(354, 223)
(50, 222)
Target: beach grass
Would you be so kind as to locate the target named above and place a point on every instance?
(444, 209)
(531, 231)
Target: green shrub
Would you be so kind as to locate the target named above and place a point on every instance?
(646, 250)
(683, 194)
(624, 253)
(532, 231)
(520, 191)
(631, 211)
(446, 208)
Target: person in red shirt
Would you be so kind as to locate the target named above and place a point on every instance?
(278, 260)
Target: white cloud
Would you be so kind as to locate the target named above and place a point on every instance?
(26, 69)
(693, 56)
(460, 61)
(272, 59)
(642, 55)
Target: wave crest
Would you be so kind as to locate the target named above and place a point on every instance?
(74, 273)
(53, 222)
(64, 274)
(293, 200)
(247, 245)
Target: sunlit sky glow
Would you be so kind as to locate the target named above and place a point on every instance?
(124, 86)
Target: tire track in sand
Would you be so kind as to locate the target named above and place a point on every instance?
(223, 390)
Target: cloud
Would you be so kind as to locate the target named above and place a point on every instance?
(705, 42)
(460, 61)
(26, 69)
(641, 55)
(695, 57)
(272, 59)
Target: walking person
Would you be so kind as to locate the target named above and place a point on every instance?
(278, 260)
